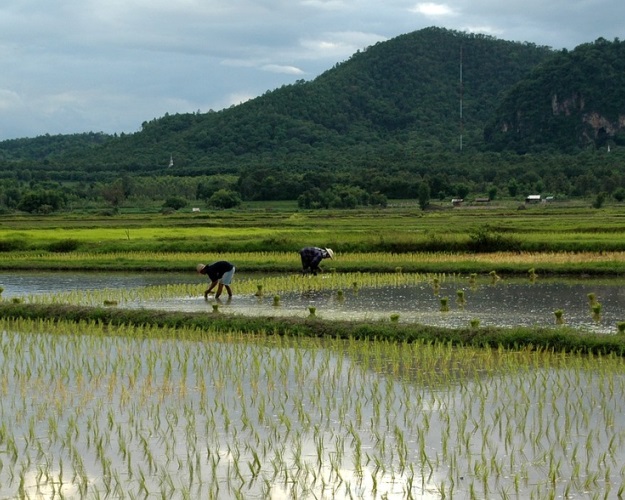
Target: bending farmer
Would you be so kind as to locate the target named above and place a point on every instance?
(312, 257)
(219, 273)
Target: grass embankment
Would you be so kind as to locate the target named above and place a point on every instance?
(561, 339)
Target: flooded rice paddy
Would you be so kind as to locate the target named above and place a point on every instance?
(93, 411)
(505, 302)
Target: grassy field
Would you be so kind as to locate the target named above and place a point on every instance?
(552, 238)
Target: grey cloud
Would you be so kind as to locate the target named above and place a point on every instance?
(86, 65)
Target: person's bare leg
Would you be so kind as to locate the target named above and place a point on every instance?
(219, 290)
(229, 290)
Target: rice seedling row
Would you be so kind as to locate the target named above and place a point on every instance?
(92, 410)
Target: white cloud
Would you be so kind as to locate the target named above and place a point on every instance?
(430, 9)
(277, 68)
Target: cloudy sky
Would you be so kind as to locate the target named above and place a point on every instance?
(72, 66)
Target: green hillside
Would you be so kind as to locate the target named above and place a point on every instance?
(403, 93)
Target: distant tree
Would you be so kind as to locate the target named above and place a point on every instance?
(42, 201)
(175, 202)
(114, 193)
(11, 197)
(599, 200)
(424, 195)
(513, 188)
(224, 198)
(619, 194)
(378, 200)
(312, 198)
(462, 190)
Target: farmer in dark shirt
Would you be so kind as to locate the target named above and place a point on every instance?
(219, 273)
(312, 257)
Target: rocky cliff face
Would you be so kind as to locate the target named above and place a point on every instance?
(573, 100)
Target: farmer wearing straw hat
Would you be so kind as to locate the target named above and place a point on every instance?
(312, 257)
(219, 273)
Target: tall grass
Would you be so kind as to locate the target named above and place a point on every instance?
(544, 263)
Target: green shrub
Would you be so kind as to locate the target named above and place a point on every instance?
(62, 246)
(12, 245)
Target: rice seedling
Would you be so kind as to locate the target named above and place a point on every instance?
(592, 299)
(312, 311)
(460, 298)
(436, 286)
(559, 314)
(532, 274)
(474, 323)
(276, 300)
(444, 304)
(394, 318)
(494, 277)
(596, 311)
(620, 327)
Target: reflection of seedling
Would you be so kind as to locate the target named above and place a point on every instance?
(259, 291)
(475, 323)
(444, 304)
(436, 286)
(559, 314)
(276, 300)
(473, 281)
(216, 308)
(592, 299)
(596, 311)
(460, 297)
(394, 318)
(620, 327)
(313, 311)
(532, 274)
(355, 287)
(398, 270)
(339, 295)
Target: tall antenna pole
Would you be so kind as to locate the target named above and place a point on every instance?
(461, 96)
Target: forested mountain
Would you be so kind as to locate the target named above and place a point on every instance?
(396, 95)
(437, 110)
